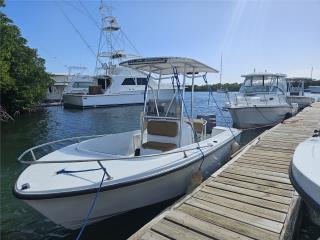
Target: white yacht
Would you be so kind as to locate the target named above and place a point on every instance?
(113, 84)
(262, 101)
(122, 86)
(296, 92)
(113, 174)
(71, 82)
(55, 90)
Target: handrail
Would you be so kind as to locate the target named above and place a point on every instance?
(160, 117)
(110, 159)
(52, 142)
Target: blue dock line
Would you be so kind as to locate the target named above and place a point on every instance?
(91, 208)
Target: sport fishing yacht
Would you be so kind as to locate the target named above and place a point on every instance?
(262, 101)
(113, 85)
(129, 170)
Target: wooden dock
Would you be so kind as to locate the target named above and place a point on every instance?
(251, 197)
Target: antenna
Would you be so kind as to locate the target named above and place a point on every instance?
(220, 70)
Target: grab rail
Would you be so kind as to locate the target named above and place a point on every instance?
(110, 159)
(30, 150)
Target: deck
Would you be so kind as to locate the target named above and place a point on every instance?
(251, 197)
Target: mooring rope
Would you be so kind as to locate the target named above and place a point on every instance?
(217, 105)
(85, 222)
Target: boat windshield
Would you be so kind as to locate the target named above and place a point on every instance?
(164, 107)
(263, 85)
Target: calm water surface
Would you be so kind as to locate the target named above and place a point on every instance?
(19, 221)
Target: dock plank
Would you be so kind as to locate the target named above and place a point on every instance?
(176, 231)
(229, 223)
(241, 206)
(254, 186)
(258, 175)
(257, 181)
(267, 224)
(153, 235)
(266, 172)
(277, 163)
(261, 166)
(252, 193)
(204, 227)
(245, 198)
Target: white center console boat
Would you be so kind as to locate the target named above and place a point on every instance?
(132, 169)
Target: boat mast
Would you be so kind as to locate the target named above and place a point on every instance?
(108, 28)
(192, 90)
(221, 71)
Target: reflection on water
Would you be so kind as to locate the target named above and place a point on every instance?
(19, 221)
(308, 230)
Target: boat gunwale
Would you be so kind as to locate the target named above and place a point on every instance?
(34, 196)
(259, 106)
(309, 200)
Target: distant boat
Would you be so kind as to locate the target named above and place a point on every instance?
(296, 92)
(261, 101)
(221, 90)
(71, 82)
(55, 90)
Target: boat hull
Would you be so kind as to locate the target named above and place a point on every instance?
(302, 101)
(304, 175)
(257, 116)
(102, 100)
(70, 212)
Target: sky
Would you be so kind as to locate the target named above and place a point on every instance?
(279, 36)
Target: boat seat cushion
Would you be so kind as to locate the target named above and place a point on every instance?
(198, 125)
(159, 146)
(163, 128)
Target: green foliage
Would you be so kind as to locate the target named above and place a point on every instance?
(311, 83)
(231, 87)
(23, 79)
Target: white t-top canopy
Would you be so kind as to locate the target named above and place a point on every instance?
(293, 79)
(266, 74)
(165, 65)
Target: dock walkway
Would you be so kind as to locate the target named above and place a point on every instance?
(251, 197)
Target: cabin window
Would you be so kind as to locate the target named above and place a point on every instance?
(141, 81)
(81, 84)
(129, 81)
(104, 82)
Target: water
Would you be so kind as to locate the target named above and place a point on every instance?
(19, 221)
